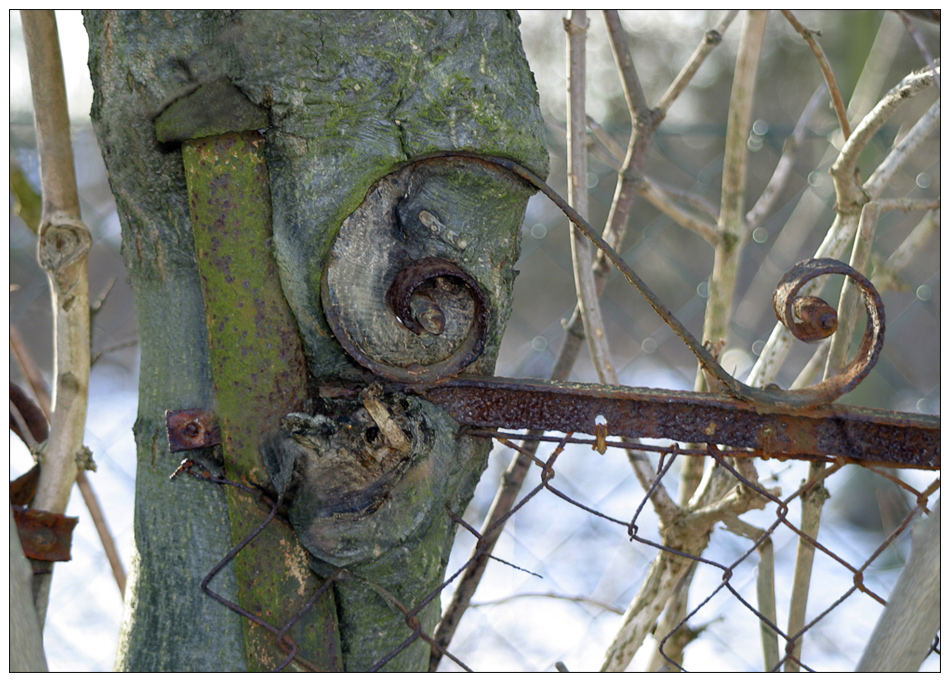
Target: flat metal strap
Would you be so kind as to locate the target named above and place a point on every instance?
(863, 435)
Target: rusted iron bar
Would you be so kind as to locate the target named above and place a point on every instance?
(863, 435)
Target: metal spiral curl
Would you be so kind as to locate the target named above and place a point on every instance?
(414, 297)
(811, 319)
(432, 299)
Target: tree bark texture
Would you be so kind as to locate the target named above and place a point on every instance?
(342, 100)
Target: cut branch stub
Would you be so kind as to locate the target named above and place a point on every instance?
(401, 289)
(810, 319)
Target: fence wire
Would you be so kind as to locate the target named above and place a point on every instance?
(854, 571)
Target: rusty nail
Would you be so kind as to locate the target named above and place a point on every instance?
(191, 429)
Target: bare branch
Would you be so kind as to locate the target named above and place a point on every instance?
(836, 98)
(692, 199)
(907, 204)
(848, 302)
(923, 128)
(783, 168)
(885, 274)
(765, 586)
(812, 500)
(712, 38)
(650, 191)
(581, 248)
(843, 170)
(732, 226)
(64, 242)
(632, 91)
(849, 199)
(915, 34)
(876, 67)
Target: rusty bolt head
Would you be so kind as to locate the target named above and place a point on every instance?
(191, 429)
(45, 536)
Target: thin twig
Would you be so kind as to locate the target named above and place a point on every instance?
(102, 529)
(848, 302)
(907, 204)
(829, 75)
(711, 39)
(885, 274)
(659, 199)
(783, 169)
(603, 138)
(765, 586)
(30, 371)
(632, 90)
(552, 595)
(131, 343)
(925, 126)
(643, 123)
(581, 249)
(915, 34)
(96, 306)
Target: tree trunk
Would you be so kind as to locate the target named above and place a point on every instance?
(230, 288)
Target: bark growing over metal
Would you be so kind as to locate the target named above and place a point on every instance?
(349, 96)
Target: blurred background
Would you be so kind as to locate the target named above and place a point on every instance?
(574, 553)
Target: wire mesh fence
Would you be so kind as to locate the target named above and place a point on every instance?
(594, 515)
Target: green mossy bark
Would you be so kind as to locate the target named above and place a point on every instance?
(259, 374)
(350, 96)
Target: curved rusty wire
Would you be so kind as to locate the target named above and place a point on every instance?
(811, 317)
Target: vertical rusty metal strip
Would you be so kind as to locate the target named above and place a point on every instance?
(259, 375)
